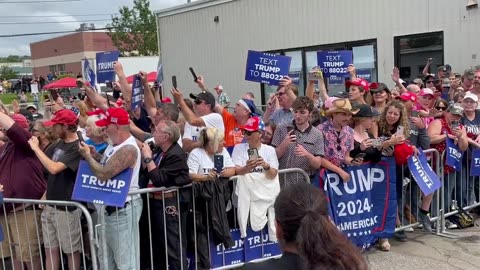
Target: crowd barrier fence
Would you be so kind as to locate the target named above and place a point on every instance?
(24, 240)
(163, 216)
(459, 190)
(412, 197)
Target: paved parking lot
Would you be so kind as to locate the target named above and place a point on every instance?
(424, 251)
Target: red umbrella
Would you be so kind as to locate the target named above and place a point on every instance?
(66, 82)
(151, 77)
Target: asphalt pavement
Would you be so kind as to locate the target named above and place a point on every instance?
(429, 251)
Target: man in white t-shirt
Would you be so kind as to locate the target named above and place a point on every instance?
(204, 116)
(256, 165)
(266, 162)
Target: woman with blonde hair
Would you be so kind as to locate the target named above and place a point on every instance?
(83, 109)
(95, 134)
(211, 160)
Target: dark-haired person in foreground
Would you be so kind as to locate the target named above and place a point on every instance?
(307, 236)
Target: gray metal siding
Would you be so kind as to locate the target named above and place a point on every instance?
(218, 51)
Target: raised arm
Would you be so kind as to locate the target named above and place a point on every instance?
(149, 99)
(5, 121)
(124, 86)
(190, 116)
(426, 69)
(97, 99)
(396, 80)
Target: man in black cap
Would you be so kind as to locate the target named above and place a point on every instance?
(203, 116)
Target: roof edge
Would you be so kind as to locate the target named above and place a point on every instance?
(189, 7)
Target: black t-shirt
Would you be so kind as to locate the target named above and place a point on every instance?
(372, 154)
(144, 121)
(60, 186)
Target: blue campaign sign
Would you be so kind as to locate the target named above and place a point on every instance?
(365, 74)
(334, 62)
(219, 256)
(422, 173)
(137, 93)
(88, 73)
(266, 68)
(112, 192)
(453, 155)
(333, 79)
(295, 76)
(475, 163)
(105, 60)
(364, 208)
(258, 245)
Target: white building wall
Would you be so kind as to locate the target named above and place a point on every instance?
(190, 37)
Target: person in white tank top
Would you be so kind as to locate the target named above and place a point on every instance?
(121, 224)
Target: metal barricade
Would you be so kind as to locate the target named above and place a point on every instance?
(286, 177)
(32, 225)
(163, 220)
(148, 232)
(460, 190)
(411, 198)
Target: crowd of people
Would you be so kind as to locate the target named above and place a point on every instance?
(201, 141)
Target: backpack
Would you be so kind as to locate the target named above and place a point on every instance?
(462, 219)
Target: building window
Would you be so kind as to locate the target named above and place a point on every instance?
(412, 52)
(52, 69)
(61, 68)
(304, 59)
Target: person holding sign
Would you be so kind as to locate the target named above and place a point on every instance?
(447, 134)
(307, 236)
(121, 224)
(393, 130)
(61, 226)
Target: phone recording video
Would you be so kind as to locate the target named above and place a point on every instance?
(253, 153)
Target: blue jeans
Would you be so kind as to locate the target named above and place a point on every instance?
(122, 238)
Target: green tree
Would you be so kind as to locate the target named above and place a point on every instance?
(7, 73)
(135, 29)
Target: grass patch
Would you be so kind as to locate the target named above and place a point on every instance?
(9, 97)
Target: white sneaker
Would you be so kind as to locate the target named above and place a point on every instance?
(409, 230)
(450, 225)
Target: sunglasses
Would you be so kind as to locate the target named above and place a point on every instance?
(430, 81)
(441, 108)
(199, 101)
(247, 132)
(280, 94)
(339, 148)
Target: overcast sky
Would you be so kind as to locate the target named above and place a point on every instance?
(22, 17)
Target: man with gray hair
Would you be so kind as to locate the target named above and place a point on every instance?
(122, 242)
(166, 166)
(413, 88)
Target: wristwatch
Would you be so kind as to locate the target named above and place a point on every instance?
(147, 160)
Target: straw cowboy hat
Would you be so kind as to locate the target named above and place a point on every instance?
(341, 105)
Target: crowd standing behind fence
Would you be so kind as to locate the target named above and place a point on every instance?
(182, 211)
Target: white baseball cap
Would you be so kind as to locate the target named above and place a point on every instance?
(471, 96)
